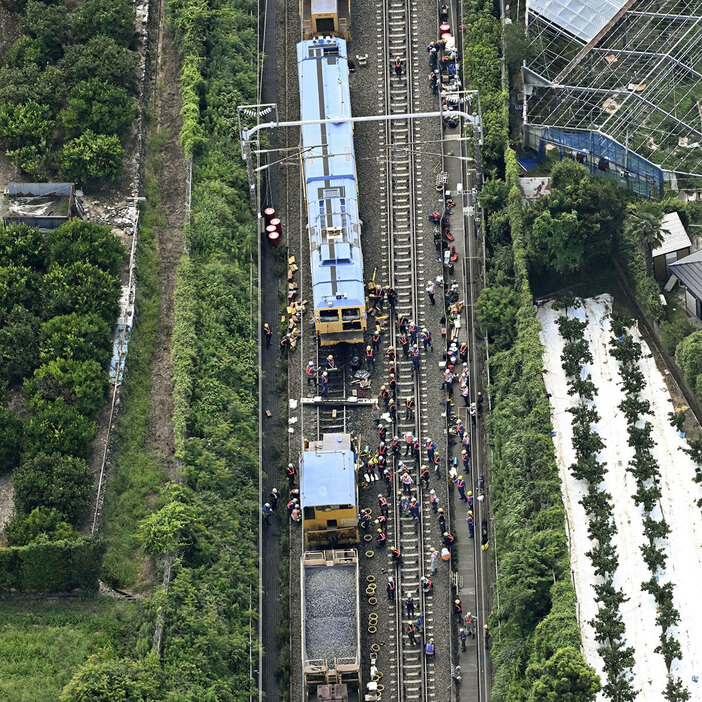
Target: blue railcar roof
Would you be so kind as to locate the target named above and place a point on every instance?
(327, 478)
(330, 175)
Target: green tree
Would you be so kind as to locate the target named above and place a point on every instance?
(77, 337)
(20, 84)
(21, 245)
(82, 384)
(10, 440)
(564, 302)
(98, 106)
(669, 648)
(694, 450)
(19, 285)
(598, 203)
(674, 332)
(92, 155)
(58, 428)
(81, 288)
(497, 313)
(493, 195)
(25, 52)
(559, 243)
(518, 48)
(101, 59)
(565, 677)
(55, 481)
(689, 356)
(112, 18)
(168, 529)
(644, 226)
(567, 175)
(114, 681)
(19, 345)
(675, 691)
(48, 25)
(41, 524)
(26, 124)
(78, 241)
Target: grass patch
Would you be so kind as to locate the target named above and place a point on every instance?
(42, 644)
(135, 477)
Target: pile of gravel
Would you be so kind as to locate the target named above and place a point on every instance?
(330, 612)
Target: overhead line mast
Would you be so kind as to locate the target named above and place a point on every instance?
(246, 134)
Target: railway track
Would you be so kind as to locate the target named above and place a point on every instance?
(332, 419)
(415, 677)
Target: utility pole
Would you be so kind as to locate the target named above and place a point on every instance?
(257, 112)
(245, 134)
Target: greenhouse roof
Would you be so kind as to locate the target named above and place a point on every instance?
(582, 18)
(627, 69)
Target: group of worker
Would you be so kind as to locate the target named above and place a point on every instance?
(293, 504)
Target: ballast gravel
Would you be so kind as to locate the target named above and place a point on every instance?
(330, 612)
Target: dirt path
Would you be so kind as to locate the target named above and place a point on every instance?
(169, 170)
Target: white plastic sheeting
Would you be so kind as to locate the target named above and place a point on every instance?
(679, 494)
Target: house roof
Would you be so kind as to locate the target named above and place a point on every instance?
(327, 478)
(674, 235)
(534, 187)
(688, 271)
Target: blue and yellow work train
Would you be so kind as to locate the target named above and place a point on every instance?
(331, 192)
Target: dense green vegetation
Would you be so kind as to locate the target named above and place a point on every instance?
(50, 566)
(42, 643)
(572, 229)
(67, 87)
(60, 294)
(482, 69)
(136, 476)
(536, 612)
(208, 522)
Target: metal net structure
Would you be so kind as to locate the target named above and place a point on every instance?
(619, 84)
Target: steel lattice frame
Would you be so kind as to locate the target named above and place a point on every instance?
(639, 81)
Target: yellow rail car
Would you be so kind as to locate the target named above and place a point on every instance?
(326, 18)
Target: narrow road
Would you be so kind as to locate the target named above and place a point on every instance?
(272, 474)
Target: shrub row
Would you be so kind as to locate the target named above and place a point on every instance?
(210, 606)
(538, 630)
(646, 471)
(482, 71)
(209, 522)
(646, 289)
(66, 90)
(60, 294)
(618, 659)
(58, 566)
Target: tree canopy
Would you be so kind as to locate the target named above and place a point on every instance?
(54, 481)
(565, 677)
